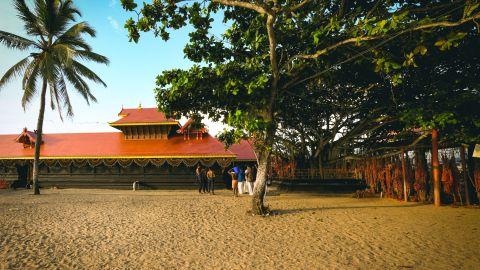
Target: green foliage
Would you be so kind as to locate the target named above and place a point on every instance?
(443, 93)
(234, 80)
(452, 39)
(470, 7)
(128, 5)
(419, 117)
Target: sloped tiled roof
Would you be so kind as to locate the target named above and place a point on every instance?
(243, 150)
(113, 145)
(142, 116)
(25, 136)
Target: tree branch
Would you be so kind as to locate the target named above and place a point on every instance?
(272, 42)
(246, 5)
(415, 142)
(368, 38)
(297, 6)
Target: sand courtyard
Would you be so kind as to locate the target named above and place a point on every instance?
(120, 229)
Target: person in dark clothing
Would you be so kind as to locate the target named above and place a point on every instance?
(227, 179)
(204, 181)
(211, 181)
(198, 176)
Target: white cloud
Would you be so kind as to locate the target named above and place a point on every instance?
(112, 3)
(114, 23)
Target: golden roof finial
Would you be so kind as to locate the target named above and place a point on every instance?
(140, 106)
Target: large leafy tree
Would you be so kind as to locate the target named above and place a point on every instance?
(323, 119)
(443, 92)
(53, 60)
(272, 47)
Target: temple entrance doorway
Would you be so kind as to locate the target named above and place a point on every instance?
(23, 176)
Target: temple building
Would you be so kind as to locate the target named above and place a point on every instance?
(150, 148)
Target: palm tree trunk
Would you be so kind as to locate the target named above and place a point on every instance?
(38, 142)
(435, 169)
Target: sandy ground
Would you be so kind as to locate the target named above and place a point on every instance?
(105, 229)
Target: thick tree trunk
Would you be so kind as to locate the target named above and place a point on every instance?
(269, 136)
(435, 169)
(424, 186)
(465, 175)
(320, 166)
(258, 208)
(404, 175)
(38, 142)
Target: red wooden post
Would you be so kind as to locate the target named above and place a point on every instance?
(435, 169)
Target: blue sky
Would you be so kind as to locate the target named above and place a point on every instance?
(130, 77)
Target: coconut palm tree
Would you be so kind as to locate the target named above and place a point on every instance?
(52, 61)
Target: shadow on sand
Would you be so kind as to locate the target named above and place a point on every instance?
(314, 209)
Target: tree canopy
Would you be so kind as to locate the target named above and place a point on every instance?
(279, 57)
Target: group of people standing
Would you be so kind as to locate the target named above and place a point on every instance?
(240, 179)
(205, 179)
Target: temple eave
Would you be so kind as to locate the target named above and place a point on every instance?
(113, 124)
(119, 157)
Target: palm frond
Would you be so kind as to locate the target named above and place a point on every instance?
(52, 103)
(87, 73)
(73, 36)
(59, 96)
(54, 93)
(50, 20)
(42, 15)
(74, 41)
(30, 84)
(48, 65)
(15, 42)
(80, 85)
(79, 28)
(67, 9)
(14, 71)
(31, 25)
(28, 71)
(91, 56)
(66, 13)
(62, 93)
(54, 100)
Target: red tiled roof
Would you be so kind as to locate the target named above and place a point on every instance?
(143, 115)
(113, 145)
(186, 125)
(22, 138)
(243, 150)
